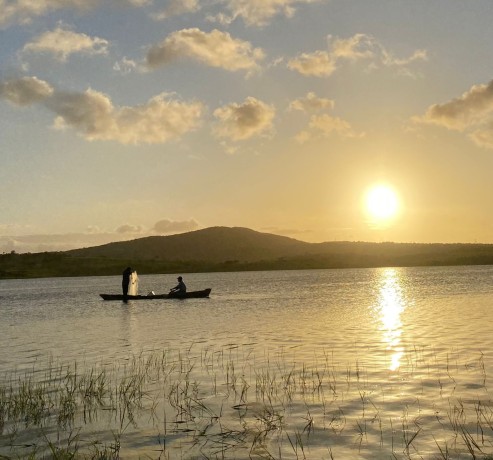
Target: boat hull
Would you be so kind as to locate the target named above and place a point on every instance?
(188, 295)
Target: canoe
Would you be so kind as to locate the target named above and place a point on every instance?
(188, 295)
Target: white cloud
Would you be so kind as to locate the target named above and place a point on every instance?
(215, 49)
(177, 7)
(471, 113)
(23, 11)
(93, 115)
(125, 66)
(129, 229)
(484, 136)
(310, 103)
(325, 125)
(257, 12)
(464, 111)
(323, 63)
(93, 236)
(62, 43)
(54, 242)
(239, 122)
(166, 226)
(389, 60)
(321, 124)
(359, 46)
(25, 91)
(316, 64)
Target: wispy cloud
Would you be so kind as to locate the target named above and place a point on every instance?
(257, 12)
(324, 125)
(166, 226)
(92, 114)
(311, 103)
(215, 49)
(63, 42)
(25, 91)
(126, 65)
(177, 7)
(320, 124)
(238, 122)
(128, 228)
(472, 112)
(24, 11)
(92, 236)
(323, 63)
(252, 12)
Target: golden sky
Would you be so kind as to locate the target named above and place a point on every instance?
(129, 118)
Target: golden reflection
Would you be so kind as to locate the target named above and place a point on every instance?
(390, 307)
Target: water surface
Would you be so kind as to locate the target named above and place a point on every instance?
(363, 363)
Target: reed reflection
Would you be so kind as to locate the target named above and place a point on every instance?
(390, 308)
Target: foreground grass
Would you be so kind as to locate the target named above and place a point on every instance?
(237, 402)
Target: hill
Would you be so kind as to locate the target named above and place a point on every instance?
(215, 244)
(235, 249)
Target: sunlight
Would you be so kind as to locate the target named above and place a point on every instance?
(382, 203)
(391, 305)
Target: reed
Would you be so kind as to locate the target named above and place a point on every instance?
(231, 402)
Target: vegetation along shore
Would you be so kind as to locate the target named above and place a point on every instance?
(235, 249)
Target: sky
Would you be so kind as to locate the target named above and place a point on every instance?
(122, 119)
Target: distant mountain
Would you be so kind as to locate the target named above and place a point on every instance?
(219, 245)
(215, 244)
(235, 249)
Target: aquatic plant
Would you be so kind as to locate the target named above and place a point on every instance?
(237, 402)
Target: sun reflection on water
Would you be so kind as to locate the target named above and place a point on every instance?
(390, 307)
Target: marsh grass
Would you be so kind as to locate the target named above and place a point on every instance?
(236, 402)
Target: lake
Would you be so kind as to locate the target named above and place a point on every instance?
(317, 364)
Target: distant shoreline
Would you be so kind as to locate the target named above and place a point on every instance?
(48, 265)
(235, 249)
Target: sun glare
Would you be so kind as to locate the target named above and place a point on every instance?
(382, 203)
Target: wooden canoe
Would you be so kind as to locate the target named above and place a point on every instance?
(188, 295)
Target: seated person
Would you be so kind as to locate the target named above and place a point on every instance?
(180, 288)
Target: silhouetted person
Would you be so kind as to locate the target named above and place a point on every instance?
(180, 289)
(126, 280)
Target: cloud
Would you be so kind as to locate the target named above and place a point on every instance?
(257, 12)
(316, 64)
(92, 114)
(325, 125)
(177, 7)
(93, 236)
(462, 112)
(24, 11)
(25, 91)
(58, 242)
(215, 49)
(127, 228)
(389, 60)
(285, 231)
(62, 43)
(311, 103)
(483, 137)
(166, 226)
(239, 122)
(125, 66)
(323, 63)
(471, 113)
(321, 125)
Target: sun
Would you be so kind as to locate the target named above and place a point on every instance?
(382, 203)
